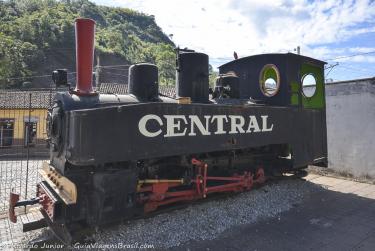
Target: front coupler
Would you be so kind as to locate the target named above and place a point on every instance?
(52, 194)
(14, 202)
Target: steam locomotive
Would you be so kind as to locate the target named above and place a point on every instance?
(118, 156)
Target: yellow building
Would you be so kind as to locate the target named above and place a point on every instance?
(23, 117)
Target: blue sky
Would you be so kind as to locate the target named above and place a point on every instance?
(327, 30)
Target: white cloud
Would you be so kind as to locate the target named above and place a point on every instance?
(359, 59)
(361, 49)
(346, 54)
(287, 23)
(255, 26)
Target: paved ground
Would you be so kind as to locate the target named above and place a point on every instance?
(341, 217)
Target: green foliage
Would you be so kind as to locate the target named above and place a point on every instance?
(30, 29)
(164, 57)
(16, 58)
(212, 77)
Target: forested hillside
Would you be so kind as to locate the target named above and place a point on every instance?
(37, 36)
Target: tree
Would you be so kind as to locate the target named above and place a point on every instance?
(34, 29)
(213, 76)
(16, 58)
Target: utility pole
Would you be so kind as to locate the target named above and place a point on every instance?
(330, 68)
(97, 71)
(298, 49)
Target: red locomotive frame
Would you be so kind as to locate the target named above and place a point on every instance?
(159, 194)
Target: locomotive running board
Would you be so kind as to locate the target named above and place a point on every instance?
(66, 189)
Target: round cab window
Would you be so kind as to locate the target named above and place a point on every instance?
(269, 80)
(308, 85)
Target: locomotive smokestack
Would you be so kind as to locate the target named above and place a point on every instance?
(85, 35)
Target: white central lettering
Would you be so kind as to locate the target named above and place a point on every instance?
(174, 125)
(253, 124)
(220, 123)
(143, 124)
(195, 121)
(236, 124)
(264, 122)
(191, 125)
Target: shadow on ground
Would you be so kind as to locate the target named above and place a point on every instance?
(325, 220)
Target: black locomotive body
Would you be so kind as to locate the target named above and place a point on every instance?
(106, 148)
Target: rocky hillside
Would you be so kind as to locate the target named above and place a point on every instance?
(37, 36)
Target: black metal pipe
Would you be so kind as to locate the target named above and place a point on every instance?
(32, 201)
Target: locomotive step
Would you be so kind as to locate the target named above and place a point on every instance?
(32, 221)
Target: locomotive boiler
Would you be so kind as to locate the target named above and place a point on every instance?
(119, 156)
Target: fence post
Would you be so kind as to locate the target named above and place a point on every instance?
(28, 147)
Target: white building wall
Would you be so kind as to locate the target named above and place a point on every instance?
(351, 127)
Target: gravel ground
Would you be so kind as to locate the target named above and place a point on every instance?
(201, 221)
(205, 221)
